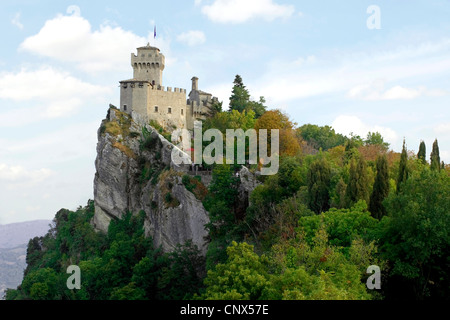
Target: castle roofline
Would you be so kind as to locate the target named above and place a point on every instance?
(148, 47)
(134, 80)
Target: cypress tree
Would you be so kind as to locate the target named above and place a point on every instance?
(318, 181)
(350, 194)
(357, 188)
(380, 188)
(421, 155)
(435, 159)
(403, 167)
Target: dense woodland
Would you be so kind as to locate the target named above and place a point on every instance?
(337, 206)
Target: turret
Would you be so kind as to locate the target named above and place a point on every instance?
(148, 65)
(194, 83)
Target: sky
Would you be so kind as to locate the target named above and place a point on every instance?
(355, 65)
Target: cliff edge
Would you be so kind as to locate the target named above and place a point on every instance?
(134, 173)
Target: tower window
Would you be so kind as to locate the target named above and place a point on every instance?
(124, 107)
(141, 85)
(170, 110)
(181, 111)
(156, 108)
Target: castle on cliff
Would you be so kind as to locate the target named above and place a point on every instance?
(145, 95)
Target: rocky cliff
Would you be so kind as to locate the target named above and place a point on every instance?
(134, 173)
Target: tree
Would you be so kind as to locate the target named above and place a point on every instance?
(216, 107)
(318, 182)
(342, 225)
(240, 99)
(240, 95)
(375, 138)
(42, 284)
(403, 171)
(380, 188)
(357, 187)
(276, 119)
(320, 137)
(421, 155)
(258, 107)
(435, 159)
(221, 204)
(242, 277)
(416, 237)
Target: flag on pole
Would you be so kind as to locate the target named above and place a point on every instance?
(154, 33)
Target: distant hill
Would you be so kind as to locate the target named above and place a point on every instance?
(14, 238)
(16, 234)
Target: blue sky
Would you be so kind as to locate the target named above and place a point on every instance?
(61, 61)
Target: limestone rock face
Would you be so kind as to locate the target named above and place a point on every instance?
(134, 173)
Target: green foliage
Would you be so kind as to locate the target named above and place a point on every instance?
(380, 188)
(318, 181)
(171, 201)
(318, 137)
(316, 272)
(194, 185)
(240, 99)
(289, 271)
(342, 225)
(240, 95)
(123, 266)
(422, 154)
(358, 185)
(147, 142)
(231, 120)
(41, 284)
(435, 159)
(403, 171)
(221, 206)
(242, 277)
(416, 237)
(216, 107)
(375, 138)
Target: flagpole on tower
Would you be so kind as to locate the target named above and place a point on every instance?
(154, 35)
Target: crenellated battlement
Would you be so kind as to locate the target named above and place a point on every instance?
(148, 64)
(168, 89)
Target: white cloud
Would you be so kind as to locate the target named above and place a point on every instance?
(192, 38)
(377, 75)
(45, 83)
(54, 92)
(72, 39)
(377, 91)
(17, 174)
(238, 11)
(16, 21)
(443, 128)
(351, 124)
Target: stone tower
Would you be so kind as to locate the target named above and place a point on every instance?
(148, 65)
(146, 99)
